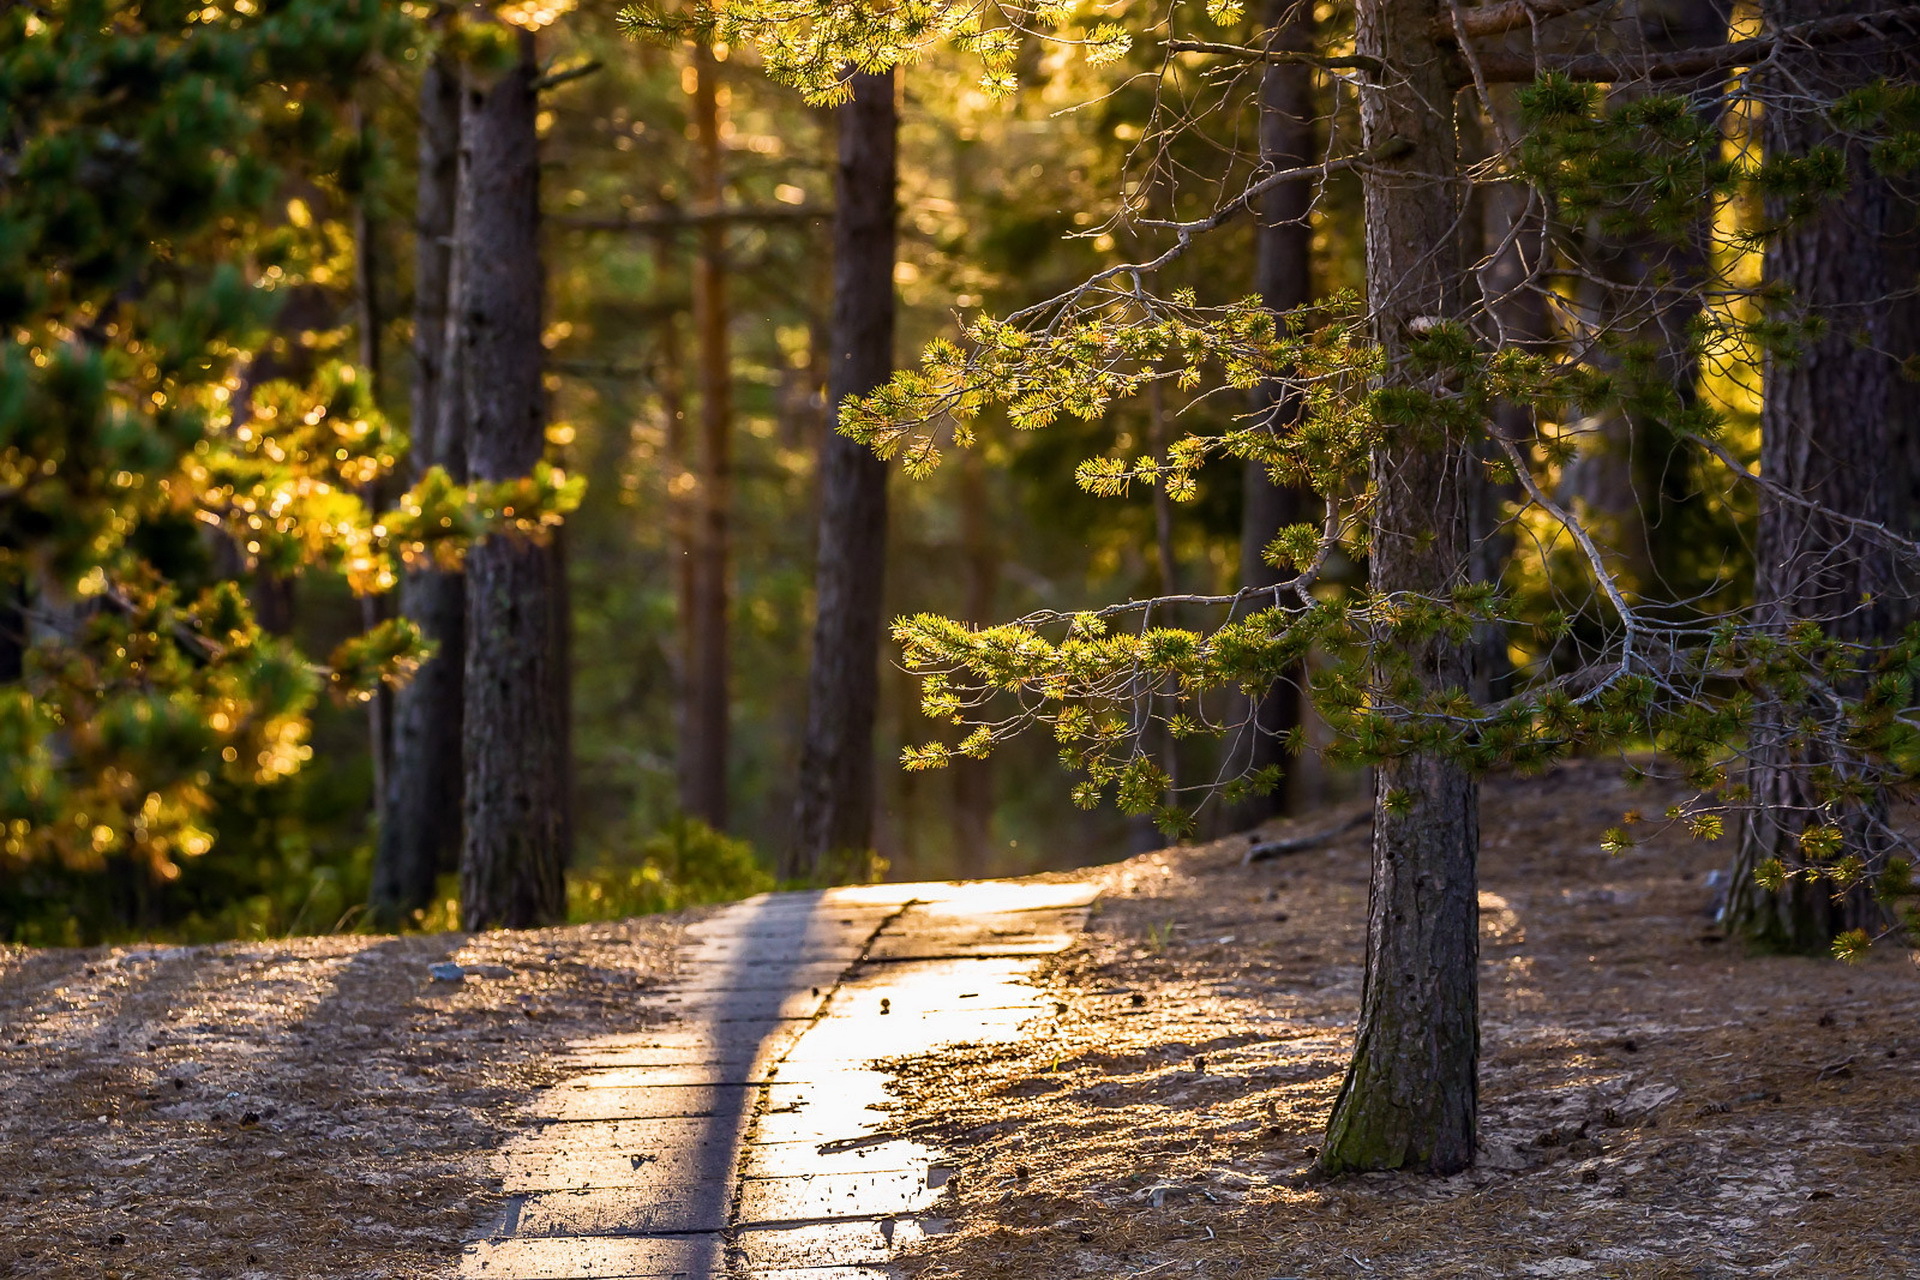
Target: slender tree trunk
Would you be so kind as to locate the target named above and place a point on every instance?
(973, 790)
(370, 321)
(1157, 740)
(420, 826)
(13, 632)
(1513, 298)
(560, 636)
(513, 861)
(834, 811)
(671, 384)
(1283, 274)
(1410, 1096)
(704, 716)
(1829, 433)
(1631, 472)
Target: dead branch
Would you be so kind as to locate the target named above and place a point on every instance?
(1265, 850)
(1606, 68)
(1509, 15)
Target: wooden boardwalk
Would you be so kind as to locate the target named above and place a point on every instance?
(742, 1137)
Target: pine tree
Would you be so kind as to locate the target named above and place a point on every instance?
(1283, 273)
(1830, 425)
(834, 814)
(514, 856)
(707, 663)
(152, 235)
(1412, 407)
(420, 828)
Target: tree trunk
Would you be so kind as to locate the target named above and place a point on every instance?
(370, 320)
(1283, 274)
(1631, 472)
(1828, 434)
(513, 861)
(973, 789)
(671, 384)
(1410, 1097)
(13, 631)
(420, 827)
(704, 712)
(834, 810)
(1156, 739)
(1512, 292)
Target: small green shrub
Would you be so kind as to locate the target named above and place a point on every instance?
(685, 864)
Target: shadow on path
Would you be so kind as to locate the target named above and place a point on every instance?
(743, 1138)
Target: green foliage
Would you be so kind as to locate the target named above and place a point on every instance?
(1640, 165)
(687, 864)
(812, 44)
(161, 414)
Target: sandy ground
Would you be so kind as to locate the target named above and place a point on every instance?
(1654, 1103)
(310, 1107)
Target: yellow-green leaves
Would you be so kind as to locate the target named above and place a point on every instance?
(812, 44)
(1108, 42)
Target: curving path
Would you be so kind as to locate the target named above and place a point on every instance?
(741, 1138)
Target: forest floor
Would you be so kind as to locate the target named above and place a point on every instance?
(304, 1107)
(1654, 1104)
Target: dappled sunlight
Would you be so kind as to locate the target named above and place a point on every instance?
(1647, 1099)
(749, 1128)
(224, 1110)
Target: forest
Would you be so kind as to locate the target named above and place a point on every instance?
(483, 466)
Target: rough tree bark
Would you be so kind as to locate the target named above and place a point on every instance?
(833, 813)
(513, 860)
(707, 662)
(420, 820)
(1283, 274)
(1410, 1096)
(1829, 426)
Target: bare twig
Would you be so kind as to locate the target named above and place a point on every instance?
(554, 79)
(1185, 232)
(1338, 62)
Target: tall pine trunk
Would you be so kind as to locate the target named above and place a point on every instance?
(1829, 433)
(1283, 274)
(1513, 301)
(513, 862)
(834, 811)
(707, 664)
(370, 323)
(1410, 1097)
(420, 819)
(973, 787)
(1631, 472)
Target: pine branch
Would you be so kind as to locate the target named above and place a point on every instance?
(1186, 232)
(1606, 68)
